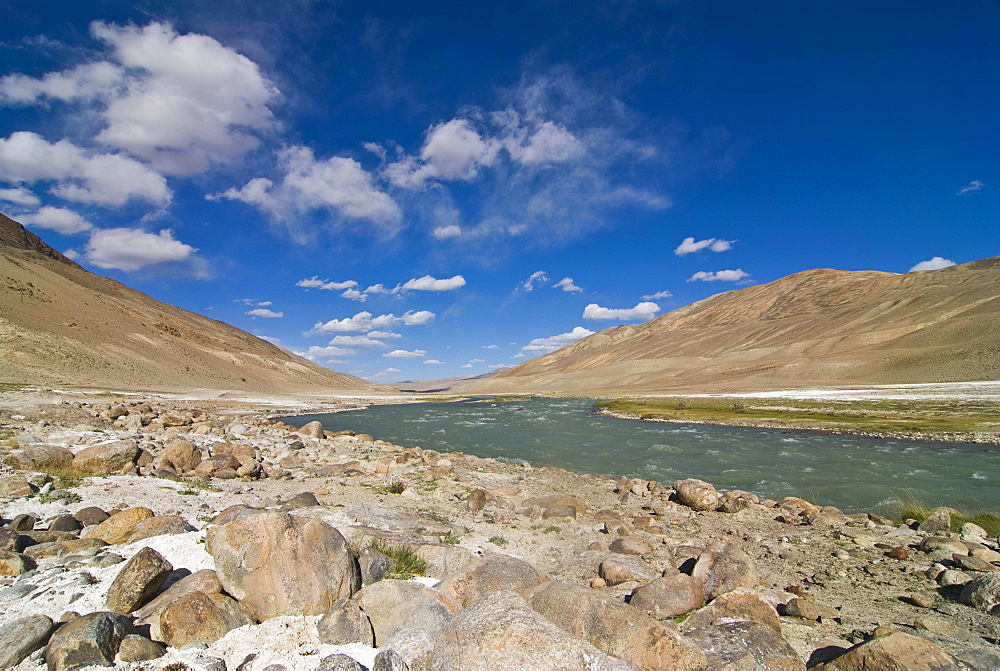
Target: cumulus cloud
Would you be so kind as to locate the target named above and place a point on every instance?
(566, 284)
(719, 276)
(315, 283)
(337, 185)
(971, 187)
(539, 277)
(936, 263)
(82, 82)
(314, 352)
(19, 196)
(552, 343)
(404, 354)
(131, 249)
(466, 365)
(265, 313)
(57, 219)
(434, 362)
(357, 341)
(428, 283)
(689, 245)
(363, 322)
(657, 295)
(446, 232)
(641, 311)
(452, 150)
(537, 143)
(490, 346)
(110, 180)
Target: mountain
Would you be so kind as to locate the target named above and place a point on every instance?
(63, 325)
(813, 328)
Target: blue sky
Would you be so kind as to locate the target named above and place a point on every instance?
(422, 190)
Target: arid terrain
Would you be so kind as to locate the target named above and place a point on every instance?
(815, 328)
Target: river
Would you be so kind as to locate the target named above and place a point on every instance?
(852, 473)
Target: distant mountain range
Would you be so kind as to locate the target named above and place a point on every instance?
(813, 328)
(63, 325)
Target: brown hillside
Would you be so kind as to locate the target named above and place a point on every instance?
(60, 324)
(818, 327)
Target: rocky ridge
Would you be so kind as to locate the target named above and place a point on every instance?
(213, 537)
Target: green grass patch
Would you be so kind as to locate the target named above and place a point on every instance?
(551, 530)
(499, 541)
(449, 539)
(405, 564)
(910, 508)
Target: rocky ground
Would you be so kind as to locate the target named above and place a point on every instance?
(210, 536)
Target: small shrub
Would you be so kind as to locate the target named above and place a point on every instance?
(498, 541)
(739, 407)
(405, 564)
(552, 530)
(449, 539)
(72, 497)
(683, 405)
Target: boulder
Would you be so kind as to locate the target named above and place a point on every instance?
(65, 523)
(444, 560)
(107, 458)
(23, 522)
(42, 457)
(615, 627)
(339, 662)
(394, 605)
(983, 593)
(204, 581)
(415, 647)
(11, 541)
(478, 498)
(723, 567)
(135, 648)
(15, 563)
(137, 582)
(669, 596)
(233, 513)
(746, 645)
(22, 637)
(345, 623)
(373, 565)
(180, 455)
(502, 632)
(809, 610)
(494, 573)
(554, 500)
(201, 618)
(217, 463)
(740, 604)
(90, 516)
(615, 572)
(300, 500)
(697, 494)
(90, 640)
(937, 522)
(14, 487)
(85, 546)
(277, 564)
(313, 429)
(895, 650)
(116, 529)
(159, 526)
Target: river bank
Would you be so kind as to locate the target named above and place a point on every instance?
(796, 584)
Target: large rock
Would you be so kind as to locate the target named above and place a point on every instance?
(345, 623)
(159, 526)
(138, 581)
(394, 605)
(90, 640)
(615, 627)
(740, 604)
(494, 573)
(723, 567)
(11, 541)
(746, 645)
(631, 545)
(894, 652)
(14, 487)
(983, 593)
(15, 563)
(415, 647)
(669, 596)
(22, 637)
(939, 521)
(313, 429)
(135, 648)
(179, 454)
(616, 572)
(697, 494)
(204, 581)
(42, 457)
(63, 548)
(556, 501)
(107, 458)
(277, 564)
(201, 618)
(502, 632)
(116, 529)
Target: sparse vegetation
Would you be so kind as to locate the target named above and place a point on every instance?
(449, 539)
(552, 530)
(910, 508)
(71, 497)
(499, 541)
(405, 564)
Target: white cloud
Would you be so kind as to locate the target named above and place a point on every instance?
(538, 277)
(364, 322)
(566, 284)
(383, 335)
(110, 180)
(83, 82)
(404, 354)
(641, 311)
(490, 346)
(689, 245)
(132, 249)
(552, 343)
(971, 187)
(357, 341)
(337, 185)
(936, 263)
(445, 232)
(314, 352)
(20, 196)
(57, 219)
(719, 276)
(466, 365)
(434, 362)
(391, 370)
(453, 150)
(315, 283)
(265, 313)
(428, 283)
(657, 295)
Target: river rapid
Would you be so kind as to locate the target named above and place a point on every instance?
(852, 473)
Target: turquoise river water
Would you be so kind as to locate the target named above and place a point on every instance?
(852, 473)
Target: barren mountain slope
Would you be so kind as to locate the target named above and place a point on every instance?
(818, 327)
(60, 324)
